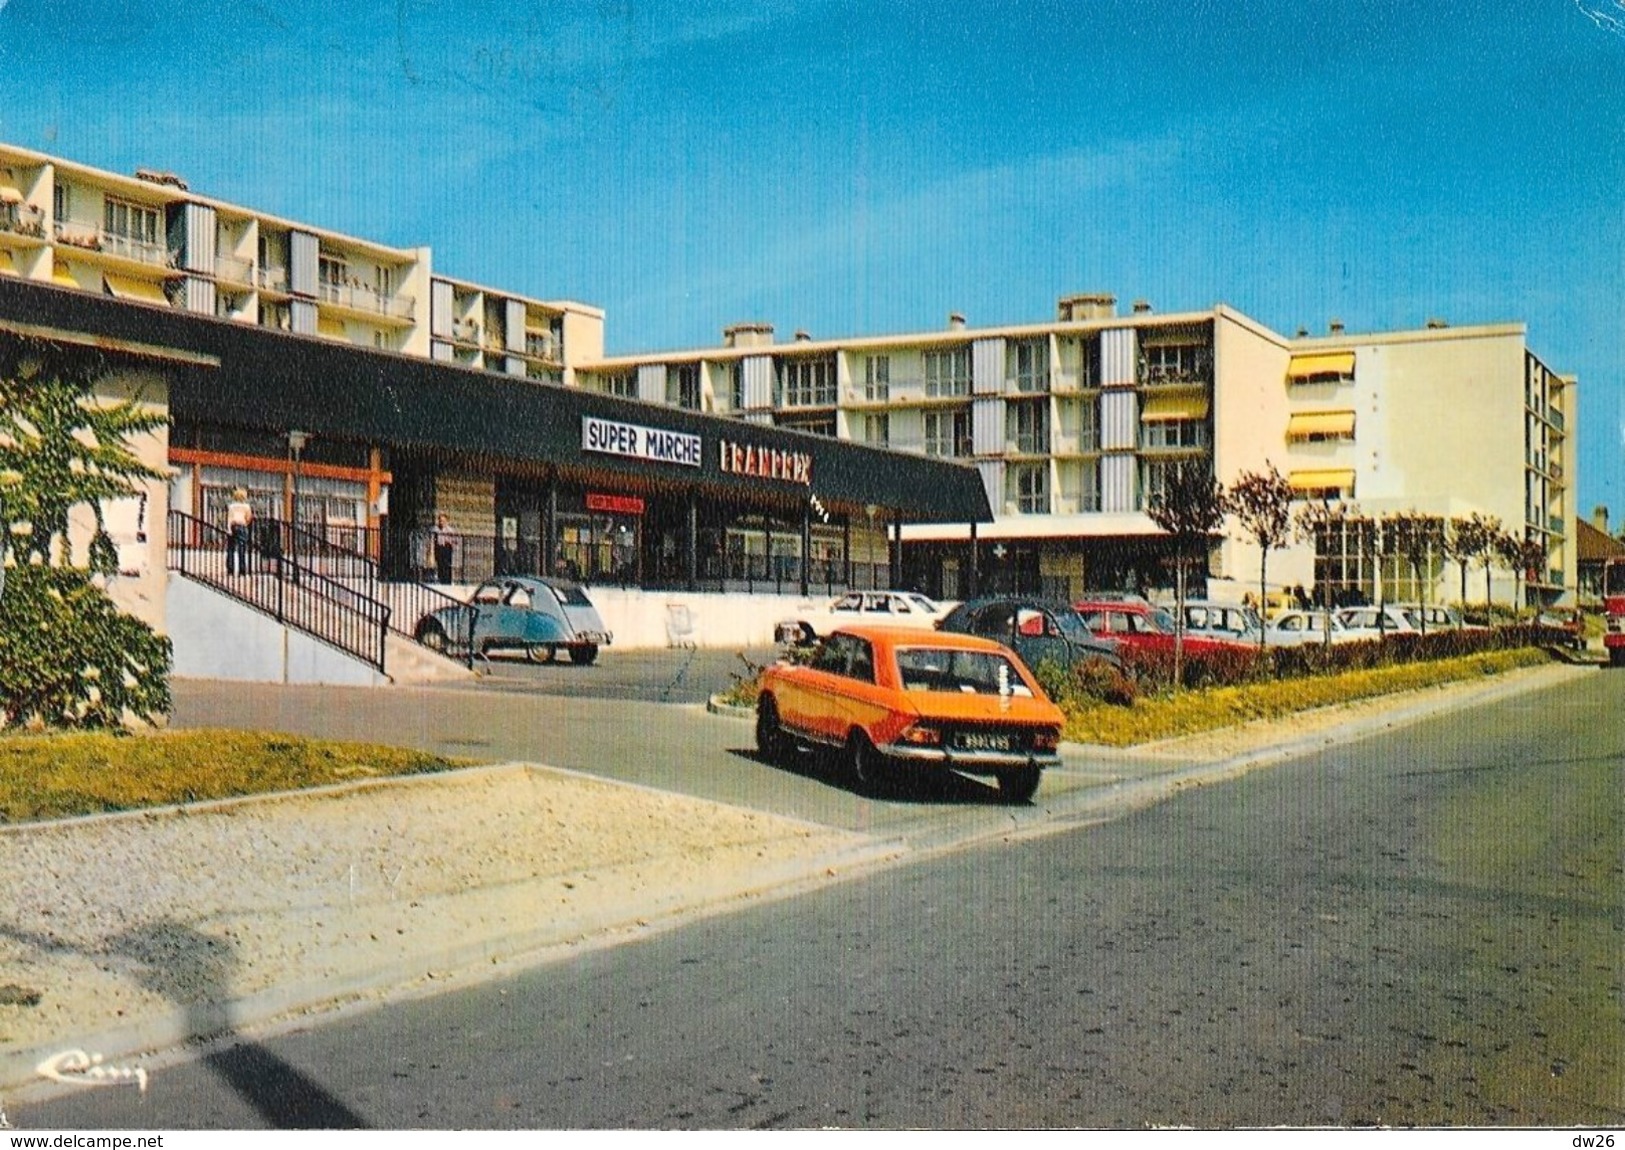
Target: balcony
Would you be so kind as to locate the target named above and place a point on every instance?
(228, 269)
(1028, 383)
(271, 278)
(544, 346)
(113, 244)
(22, 220)
(1173, 378)
(466, 331)
(360, 298)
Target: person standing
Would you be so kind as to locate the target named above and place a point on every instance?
(443, 540)
(239, 530)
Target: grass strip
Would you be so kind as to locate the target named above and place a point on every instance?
(50, 776)
(1192, 712)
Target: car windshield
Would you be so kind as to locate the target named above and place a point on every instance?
(1161, 620)
(924, 604)
(938, 669)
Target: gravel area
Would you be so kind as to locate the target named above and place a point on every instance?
(170, 921)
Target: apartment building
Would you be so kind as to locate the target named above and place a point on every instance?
(147, 238)
(1075, 424)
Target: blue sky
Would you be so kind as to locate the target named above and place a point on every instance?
(862, 168)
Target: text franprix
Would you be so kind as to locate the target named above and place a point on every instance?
(765, 462)
(611, 438)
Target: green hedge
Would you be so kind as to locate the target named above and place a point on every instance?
(70, 658)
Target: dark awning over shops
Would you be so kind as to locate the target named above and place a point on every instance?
(275, 381)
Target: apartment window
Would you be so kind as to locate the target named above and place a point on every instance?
(1027, 486)
(1027, 426)
(683, 386)
(1089, 425)
(1089, 486)
(807, 382)
(128, 221)
(1027, 364)
(1155, 475)
(947, 371)
(736, 385)
(621, 383)
(1175, 363)
(61, 201)
(331, 274)
(877, 377)
(876, 429)
(383, 282)
(1187, 433)
(947, 433)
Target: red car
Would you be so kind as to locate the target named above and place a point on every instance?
(1135, 623)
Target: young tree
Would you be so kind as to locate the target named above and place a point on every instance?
(1262, 503)
(1522, 557)
(1488, 529)
(68, 657)
(1190, 508)
(1414, 538)
(1463, 542)
(1318, 522)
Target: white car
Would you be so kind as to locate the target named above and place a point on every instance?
(1438, 618)
(1296, 628)
(896, 608)
(893, 608)
(1227, 621)
(1374, 622)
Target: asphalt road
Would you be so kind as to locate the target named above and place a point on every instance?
(1424, 927)
(670, 676)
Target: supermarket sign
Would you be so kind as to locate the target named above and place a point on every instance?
(607, 437)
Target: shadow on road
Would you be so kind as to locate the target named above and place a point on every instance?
(194, 971)
(909, 785)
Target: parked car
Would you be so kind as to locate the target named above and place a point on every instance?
(1374, 622)
(894, 608)
(1437, 616)
(1228, 622)
(520, 612)
(1140, 625)
(1296, 628)
(1038, 630)
(1567, 621)
(889, 697)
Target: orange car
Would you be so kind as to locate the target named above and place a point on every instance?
(889, 696)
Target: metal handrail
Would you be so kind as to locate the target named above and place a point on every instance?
(409, 601)
(277, 583)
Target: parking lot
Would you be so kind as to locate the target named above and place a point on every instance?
(660, 676)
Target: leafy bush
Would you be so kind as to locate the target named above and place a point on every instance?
(1086, 682)
(70, 658)
(1153, 669)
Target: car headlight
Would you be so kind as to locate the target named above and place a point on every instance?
(1047, 740)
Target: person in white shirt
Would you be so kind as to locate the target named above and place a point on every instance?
(239, 519)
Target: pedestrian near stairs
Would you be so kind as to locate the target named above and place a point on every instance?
(239, 524)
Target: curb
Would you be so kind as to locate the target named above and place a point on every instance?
(160, 1039)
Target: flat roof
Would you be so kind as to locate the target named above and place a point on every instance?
(274, 380)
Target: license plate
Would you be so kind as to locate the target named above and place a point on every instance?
(593, 637)
(983, 741)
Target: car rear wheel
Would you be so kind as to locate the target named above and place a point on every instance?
(866, 763)
(771, 743)
(584, 654)
(541, 652)
(1019, 785)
